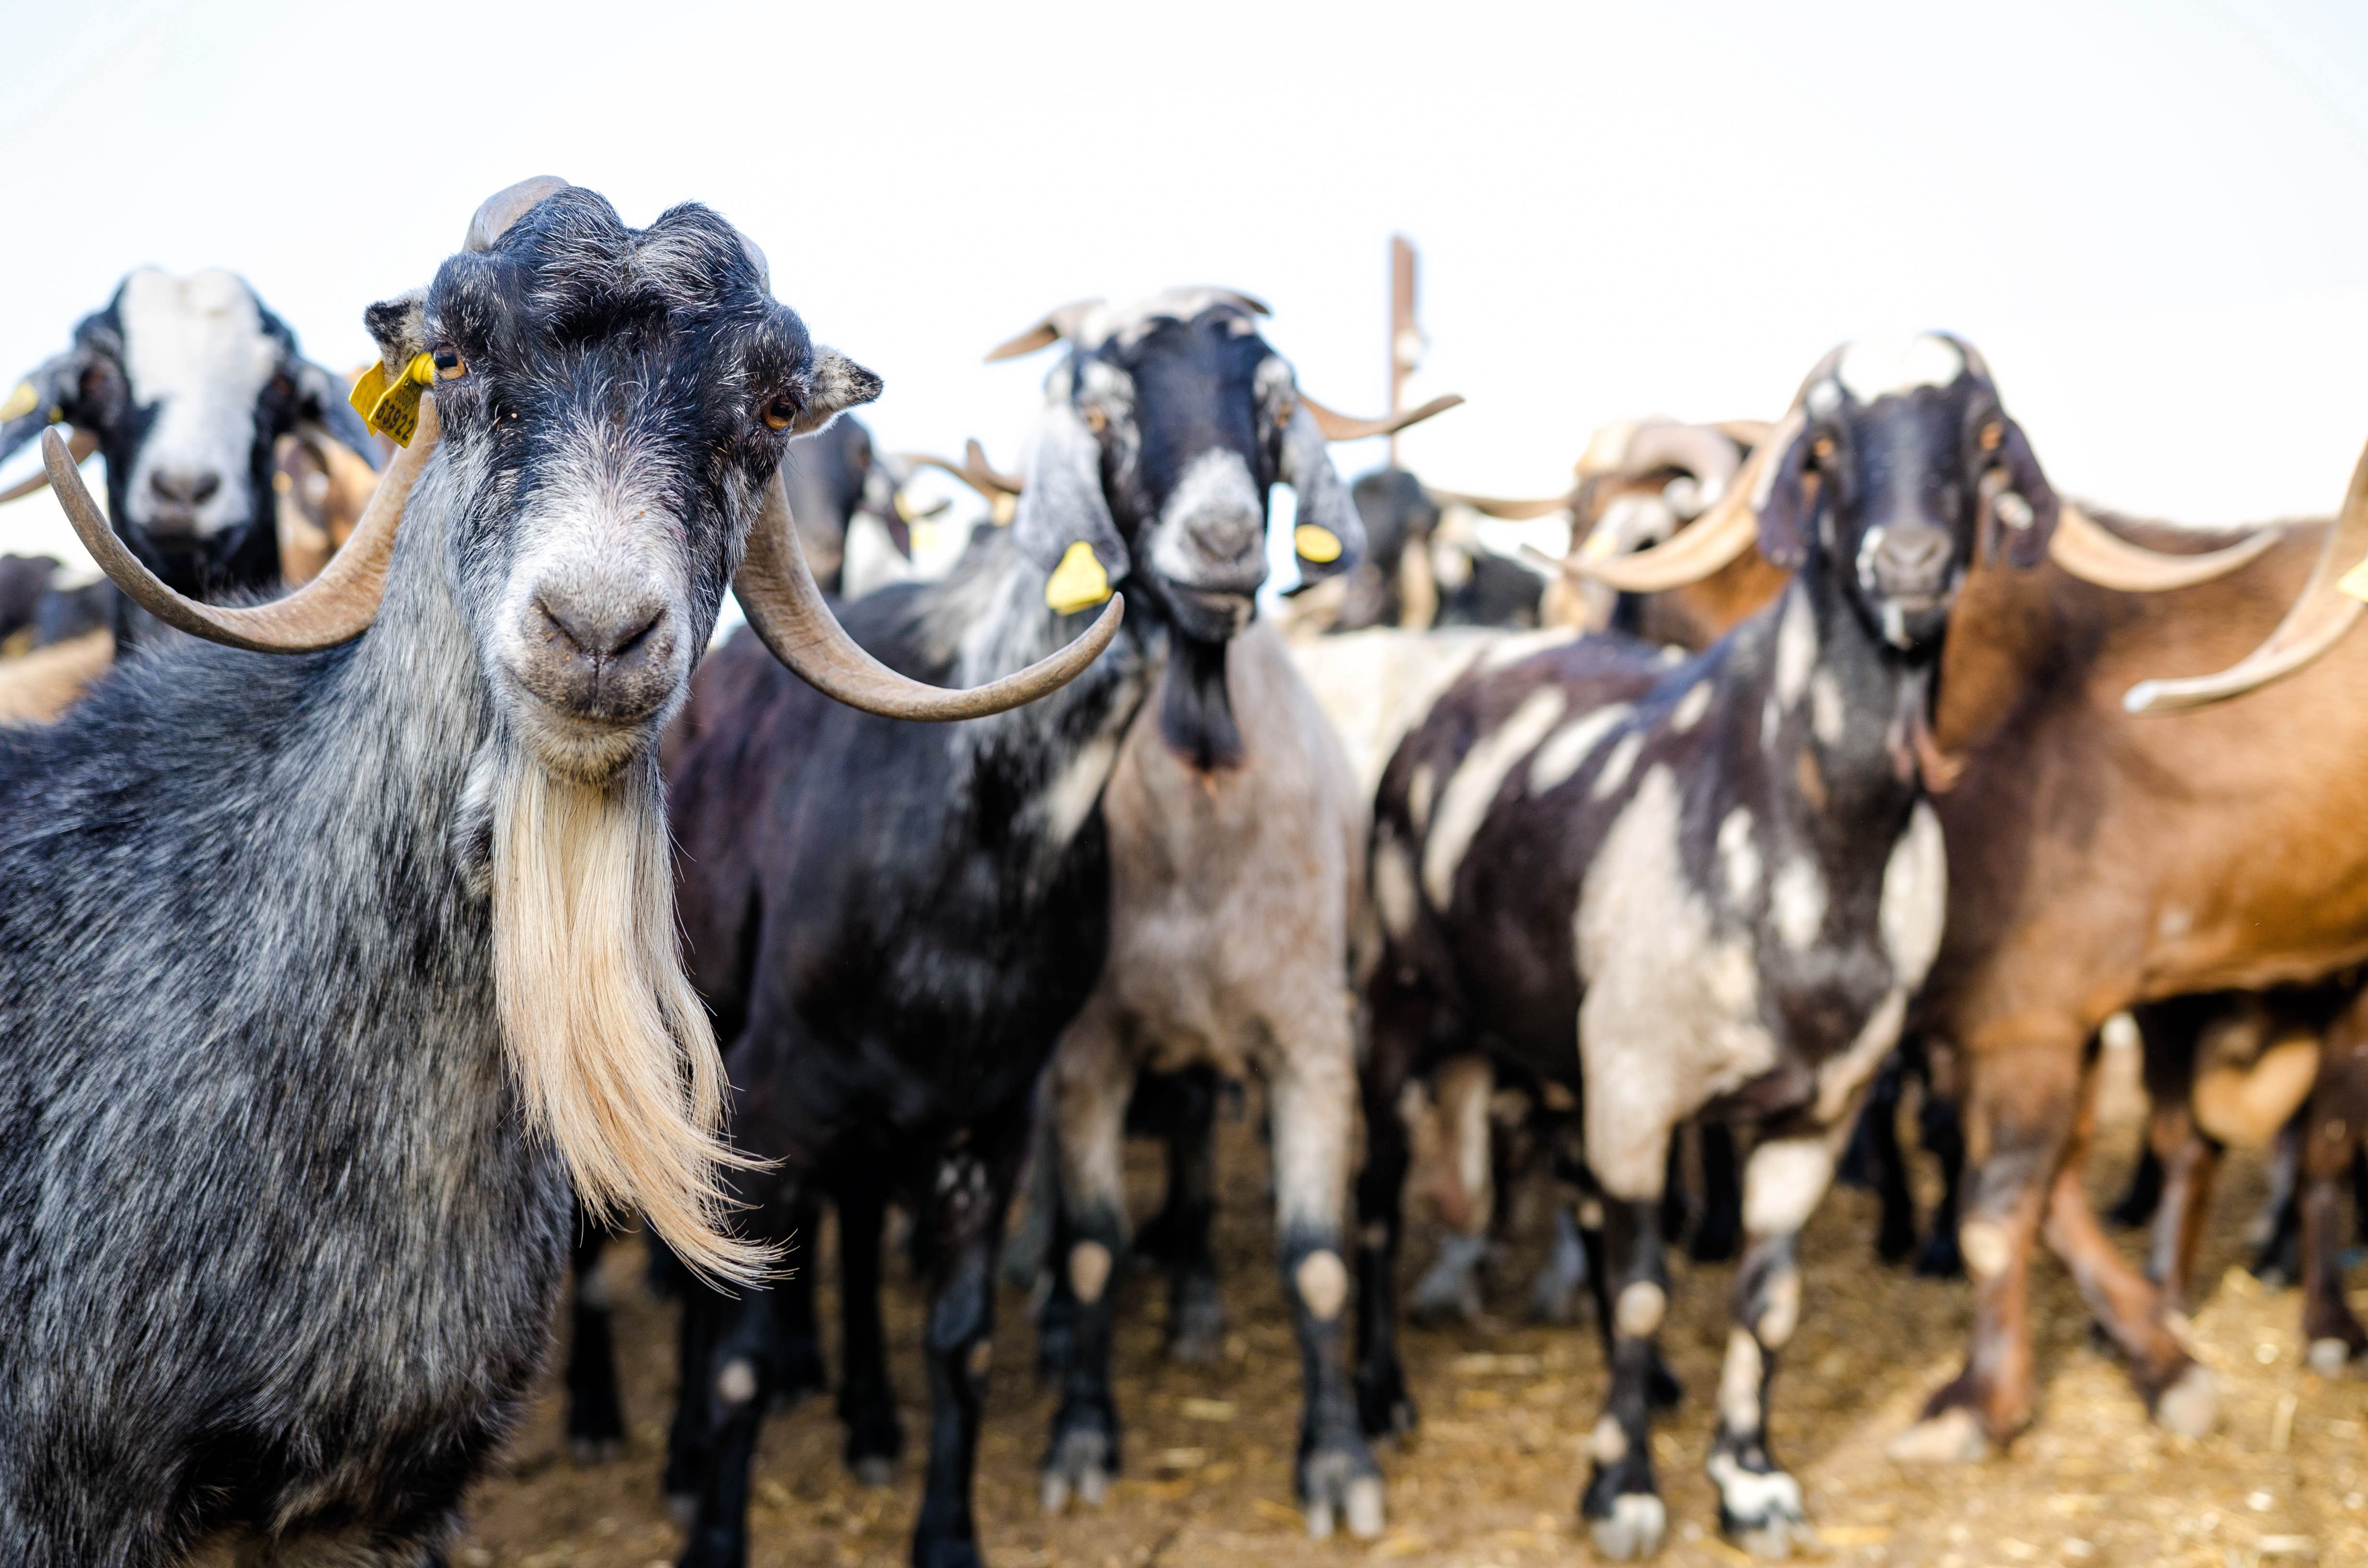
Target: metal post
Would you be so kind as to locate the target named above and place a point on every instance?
(1405, 338)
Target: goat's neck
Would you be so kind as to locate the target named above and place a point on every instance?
(1854, 674)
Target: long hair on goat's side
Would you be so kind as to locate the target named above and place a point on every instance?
(610, 1048)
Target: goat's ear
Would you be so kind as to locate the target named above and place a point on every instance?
(399, 327)
(1789, 495)
(1062, 507)
(2024, 546)
(56, 393)
(1329, 537)
(836, 385)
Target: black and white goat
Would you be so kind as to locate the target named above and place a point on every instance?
(1717, 878)
(348, 960)
(186, 386)
(892, 925)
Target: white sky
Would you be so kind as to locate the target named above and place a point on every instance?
(2149, 216)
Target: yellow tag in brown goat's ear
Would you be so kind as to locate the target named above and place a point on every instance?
(394, 411)
(21, 402)
(2356, 582)
(1078, 583)
(1316, 544)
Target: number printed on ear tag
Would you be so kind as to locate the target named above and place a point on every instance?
(1078, 583)
(1317, 544)
(394, 411)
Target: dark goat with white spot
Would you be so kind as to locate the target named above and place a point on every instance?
(1718, 879)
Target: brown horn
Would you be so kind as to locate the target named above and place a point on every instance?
(2319, 617)
(1729, 527)
(2093, 553)
(79, 448)
(1492, 506)
(974, 470)
(1061, 322)
(778, 593)
(336, 607)
(1347, 428)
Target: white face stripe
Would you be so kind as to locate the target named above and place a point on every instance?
(196, 348)
(1870, 371)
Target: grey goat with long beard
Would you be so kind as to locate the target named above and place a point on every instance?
(321, 975)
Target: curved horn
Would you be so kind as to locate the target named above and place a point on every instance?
(336, 607)
(1062, 321)
(1703, 546)
(1493, 506)
(2320, 617)
(777, 592)
(2093, 553)
(80, 447)
(974, 470)
(1339, 427)
(1704, 451)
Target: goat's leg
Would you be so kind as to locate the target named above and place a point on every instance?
(1719, 1231)
(1940, 1127)
(1196, 1306)
(1402, 1016)
(1311, 1083)
(1028, 1246)
(1449, 1291)
(2179, 1391)
(867, 1401)
(1554, 1295)
(1886, 1162)
(802, 1370)
(737, 1378)
(1758, 1504)
(687, 1447)
(2182, 1203)
(1624, 1515)
(968, 1195)
(596, 1415)
(2332, 1120)
(2024, 1102)
(1662, 1390)
(1092, 1077)
(2275, 1233)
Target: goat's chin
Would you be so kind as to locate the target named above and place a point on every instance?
(594, 751)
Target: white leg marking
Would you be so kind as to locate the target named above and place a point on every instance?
(1985, 1246)
(1738, 1382)
(1323, 1283)
(1640, 1308)
(1782, 1184)
(1089, 1270)
(1780, 1313)
(1608, 1444)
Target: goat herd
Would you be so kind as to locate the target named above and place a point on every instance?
(368, 952)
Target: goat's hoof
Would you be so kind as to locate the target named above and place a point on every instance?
(591, 1451)
(1953, 1436)
(2191, 1405)
(1760, 1511)
(1196, 1324)
(947, 1551)
(2331, 1357)
(1080, 1466)
(1633, 1530)
(1554, 1303)
(1441, 1300)
(873, 1470)
(1339, 1483)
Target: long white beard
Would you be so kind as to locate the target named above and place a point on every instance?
(610, 1047)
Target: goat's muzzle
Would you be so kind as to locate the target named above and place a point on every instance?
(598, 648)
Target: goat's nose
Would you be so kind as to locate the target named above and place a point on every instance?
(1912, 556)
(606, 631)
(185, 486)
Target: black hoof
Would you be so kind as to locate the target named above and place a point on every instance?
(1385, 1409)
(1939, 1257)
(1196, 1320)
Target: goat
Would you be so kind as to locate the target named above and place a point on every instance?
(351, 960)
(894, 925)
(187, 386)
(1739, 845)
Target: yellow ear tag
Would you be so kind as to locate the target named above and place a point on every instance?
(1078, 583)
(1315, 544)
(2356, 582)
(21, 402)
(394, 411)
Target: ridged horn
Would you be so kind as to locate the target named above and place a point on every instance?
(778, 593)
(2318, 621)
(1496, 506)
(336, 607)
(79, 446)
(1703, 546)
(1337, 427)
(2093, 553)
(974, 470)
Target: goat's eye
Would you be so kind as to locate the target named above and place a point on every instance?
(1823, 448)
(1992, 435)
(1097, 421)
(780, 414)
(449, 365)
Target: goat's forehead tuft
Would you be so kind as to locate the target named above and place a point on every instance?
(1893, 368)
(1228, 311)
(572, 263)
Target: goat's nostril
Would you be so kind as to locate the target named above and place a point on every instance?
(603, 634)
(190, 487)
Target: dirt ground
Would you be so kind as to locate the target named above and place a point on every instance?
(1493, 1475)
